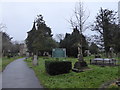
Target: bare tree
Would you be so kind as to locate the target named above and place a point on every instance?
(59, 37)
(2, 26)
(79, 21)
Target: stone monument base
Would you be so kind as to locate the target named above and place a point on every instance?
(80, 66)
(76, 70)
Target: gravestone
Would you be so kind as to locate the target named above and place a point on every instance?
(35, 60)
(59, 52)
(111, 52)
(80, 65)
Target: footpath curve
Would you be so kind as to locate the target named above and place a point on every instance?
(18, 75)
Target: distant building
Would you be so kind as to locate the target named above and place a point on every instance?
(119, 11)
(23, 49)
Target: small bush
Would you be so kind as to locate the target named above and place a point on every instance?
(58, 67)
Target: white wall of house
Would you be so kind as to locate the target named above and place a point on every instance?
(23, 49)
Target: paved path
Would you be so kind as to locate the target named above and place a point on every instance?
(0, 80)
(18, 75)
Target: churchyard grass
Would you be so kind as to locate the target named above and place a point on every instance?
(0, 64)
(93, 78)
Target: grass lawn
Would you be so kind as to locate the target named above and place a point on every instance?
(0, 64)
(4, 61)
(89, 79)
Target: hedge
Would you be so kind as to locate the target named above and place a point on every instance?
(58, 67)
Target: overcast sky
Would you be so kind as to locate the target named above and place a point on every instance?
(19, 16)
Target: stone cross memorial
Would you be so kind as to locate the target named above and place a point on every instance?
(59, 52)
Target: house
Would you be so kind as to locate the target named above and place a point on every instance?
(23, 49)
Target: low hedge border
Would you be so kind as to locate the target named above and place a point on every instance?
(58, 67)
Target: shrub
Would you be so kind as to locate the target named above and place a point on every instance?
(58, 67)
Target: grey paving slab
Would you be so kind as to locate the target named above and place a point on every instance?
(0, 80)
(18, 75)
